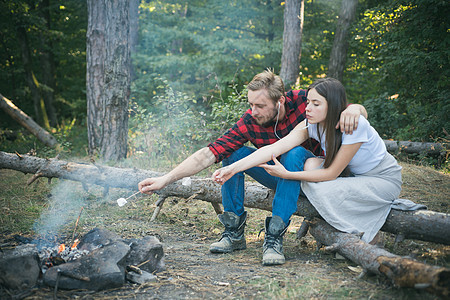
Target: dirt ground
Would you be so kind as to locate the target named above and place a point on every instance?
(188, 228)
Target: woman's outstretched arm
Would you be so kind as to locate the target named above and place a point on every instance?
(342, 159)
(264, 154)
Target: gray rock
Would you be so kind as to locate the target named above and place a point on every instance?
(19, 268)
(101, 269)
(147, 249)
(97, 237)
(141, 278)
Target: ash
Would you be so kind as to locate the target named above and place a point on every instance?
(50, 257)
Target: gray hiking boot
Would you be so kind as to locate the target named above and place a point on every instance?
(233, 237)
(273, 241)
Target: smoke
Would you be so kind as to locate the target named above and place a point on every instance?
(64, 206)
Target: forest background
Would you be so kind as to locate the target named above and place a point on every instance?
(190, 63)
(193, 58)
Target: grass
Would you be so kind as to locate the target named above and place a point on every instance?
(20, 205)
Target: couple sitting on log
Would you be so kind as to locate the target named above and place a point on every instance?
(353, 187)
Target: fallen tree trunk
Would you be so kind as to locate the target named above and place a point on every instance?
(24, 120)
(414, 147)
(422, 225)
(402, 271)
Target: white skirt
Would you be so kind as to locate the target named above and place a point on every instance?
(362, 203)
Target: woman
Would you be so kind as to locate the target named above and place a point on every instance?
(357, 183)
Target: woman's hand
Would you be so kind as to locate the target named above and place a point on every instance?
(277, 170)
(221, 175)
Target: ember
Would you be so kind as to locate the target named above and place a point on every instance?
(57, 255)
(75, 244)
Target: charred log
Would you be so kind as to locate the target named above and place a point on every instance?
(422, 225)
(403, 272)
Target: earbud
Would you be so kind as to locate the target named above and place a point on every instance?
(279, 104)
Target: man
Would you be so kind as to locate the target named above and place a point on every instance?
(272, 115)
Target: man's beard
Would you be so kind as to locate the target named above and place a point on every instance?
(269, 122)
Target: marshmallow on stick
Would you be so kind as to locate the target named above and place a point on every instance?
(123, 201)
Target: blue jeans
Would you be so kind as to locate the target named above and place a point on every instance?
(286, 191)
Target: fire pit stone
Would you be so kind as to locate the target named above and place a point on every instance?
(105, 265)
(19, 268)
(97, 237)
(100, 269)
(146, 252)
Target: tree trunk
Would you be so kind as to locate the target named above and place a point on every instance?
(292, 41)
(415, 147)
(108, 77)
(24, 120)
(48, 65)
(33, 84)
(338, 55)
(402, 271)
(424, 225)
(95, 59)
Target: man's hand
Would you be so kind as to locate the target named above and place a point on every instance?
(149, 185)
(350, 117)
(221, 175)
(277, 169)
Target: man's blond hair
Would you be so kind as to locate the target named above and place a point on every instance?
(267, 80)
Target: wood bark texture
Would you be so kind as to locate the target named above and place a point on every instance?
(423, 225)
(403, 272)
(415, 147)
(24, 120)
(292, 41)
(108, 87)
(95, 81)
(338, 55)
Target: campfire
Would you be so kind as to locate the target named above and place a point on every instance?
(53, 256)
(98, 260)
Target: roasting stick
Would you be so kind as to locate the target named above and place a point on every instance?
(76, 225)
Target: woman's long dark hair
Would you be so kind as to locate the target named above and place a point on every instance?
(334, 92)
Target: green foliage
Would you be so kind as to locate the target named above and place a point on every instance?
(398, 67)
(384, 115)
(66, 43)
(172, 128)
(203, 46)
(225, 112)
(318, 30)
(401, 49)
(71, 136)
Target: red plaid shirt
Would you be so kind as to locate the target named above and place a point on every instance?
(246, 129)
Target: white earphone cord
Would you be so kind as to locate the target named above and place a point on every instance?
(276, 123)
